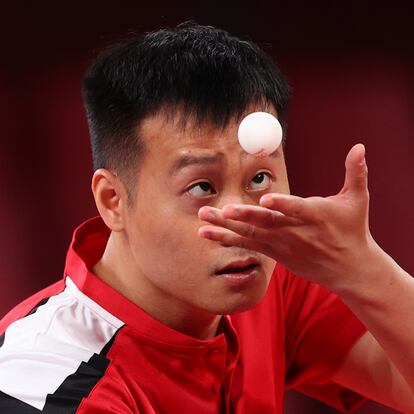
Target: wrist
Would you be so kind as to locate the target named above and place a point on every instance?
(369, 274)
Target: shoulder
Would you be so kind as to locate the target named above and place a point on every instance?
(30, 304)
(56, 352)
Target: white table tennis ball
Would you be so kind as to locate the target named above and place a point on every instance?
(260, 132)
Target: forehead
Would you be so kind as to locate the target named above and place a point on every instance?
(174, 131)
(160, 133)
(173, 149)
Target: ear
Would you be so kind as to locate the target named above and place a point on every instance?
(110, 198)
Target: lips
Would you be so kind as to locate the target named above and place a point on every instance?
(239, 267)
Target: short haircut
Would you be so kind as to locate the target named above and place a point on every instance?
(204, 72)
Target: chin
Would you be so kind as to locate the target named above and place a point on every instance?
(243, 307)
(240, 303)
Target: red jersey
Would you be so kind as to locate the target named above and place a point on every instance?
(79, 346)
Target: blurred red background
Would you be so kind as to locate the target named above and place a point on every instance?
(351, 66)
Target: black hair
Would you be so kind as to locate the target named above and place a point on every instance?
(205, 72)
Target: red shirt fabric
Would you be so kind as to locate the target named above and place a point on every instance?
(80, 346)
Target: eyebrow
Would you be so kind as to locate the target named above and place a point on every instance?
(189, 159)
(274, 154)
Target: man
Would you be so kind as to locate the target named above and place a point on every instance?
(160, 313)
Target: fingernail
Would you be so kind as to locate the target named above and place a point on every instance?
(230, 211)
(206, 233)
(211, 215)
(265, 200)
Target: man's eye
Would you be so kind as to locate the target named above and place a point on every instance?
(261, 181)
(201, 189)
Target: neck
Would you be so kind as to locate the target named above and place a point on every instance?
(117, 269)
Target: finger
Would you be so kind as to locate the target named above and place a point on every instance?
(215, 216)
(229, 238)
(257, 216)
(210, 214)
(356, 176)
(291, 206)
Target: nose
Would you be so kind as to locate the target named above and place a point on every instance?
(233, 198)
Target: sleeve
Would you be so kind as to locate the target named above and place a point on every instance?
(320, 331)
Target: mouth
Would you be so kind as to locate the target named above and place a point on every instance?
(239, 268)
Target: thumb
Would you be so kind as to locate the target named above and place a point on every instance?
(356, 175)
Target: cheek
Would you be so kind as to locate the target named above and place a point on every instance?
(285, 186)
(268, 265)
(164, 227)
(281, 184)
(283, 180)
(172, 235)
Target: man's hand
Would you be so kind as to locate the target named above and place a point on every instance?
(322, 239)
(327, 240)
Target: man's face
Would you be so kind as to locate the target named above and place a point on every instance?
(181, 171)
